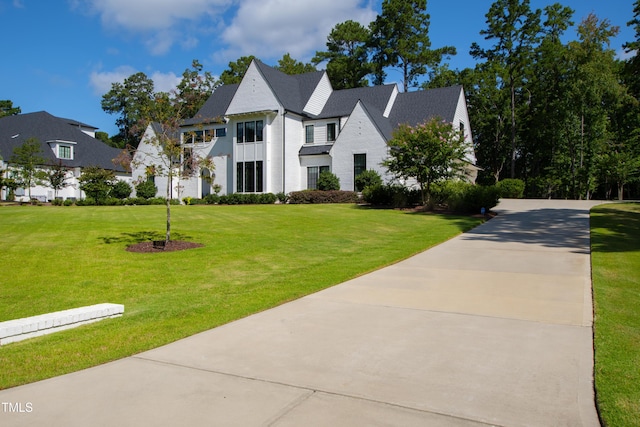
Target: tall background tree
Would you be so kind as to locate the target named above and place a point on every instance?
(194, 89)
(515, 30)
(347, 56)
(7, 108)
(236, 70)
(400, 38)
(289, 65)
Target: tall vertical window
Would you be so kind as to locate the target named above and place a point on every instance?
(187, 161)
(249, 131)
(331, 132)
(259, 130)
(313, 173)
(249, 177)
(308, 134)
(359, 165)
(240, 132)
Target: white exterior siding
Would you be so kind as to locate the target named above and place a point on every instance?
(319, 97)
(293, 140)
(309, 161)
(253, 94)
(359, 136)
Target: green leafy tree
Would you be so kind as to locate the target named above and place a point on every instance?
(290, 66)
(515, 29)
(121, 189)
(632, 65)
(146, 189)
(97, 182)
(57, 177)
(7, 108)
(236, 70)
(194, 89)
(27, 158)
(129, 100)
(400, 38)
(347, 55)
(429, 152)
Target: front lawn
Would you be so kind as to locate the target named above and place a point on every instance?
(254, 258)
(615, 258)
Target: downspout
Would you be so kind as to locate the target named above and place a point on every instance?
(284, 151)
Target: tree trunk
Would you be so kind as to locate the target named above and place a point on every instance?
(513, 130)
(620, 191)
(167, 237)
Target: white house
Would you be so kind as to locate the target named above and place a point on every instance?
(275, 132)
(62, 141)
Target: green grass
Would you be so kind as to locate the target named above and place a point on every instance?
(254, 258)
(615, 237)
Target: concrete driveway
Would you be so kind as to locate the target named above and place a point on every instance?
(493, 327)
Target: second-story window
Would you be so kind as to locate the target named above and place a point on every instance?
(250, 131)
(308, 134)
(331, 132)
(64, 152)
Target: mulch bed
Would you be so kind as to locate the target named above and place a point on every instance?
(172, 245)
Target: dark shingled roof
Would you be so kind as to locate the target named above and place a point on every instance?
(314, 150)
(342, 102)
(293, 91)
(88, 151)
(413, 108)
(216, 106)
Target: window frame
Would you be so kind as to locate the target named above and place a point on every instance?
(309, 131)
(332, 134)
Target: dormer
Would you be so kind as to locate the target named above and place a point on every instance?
(63, 150)
(320, 96)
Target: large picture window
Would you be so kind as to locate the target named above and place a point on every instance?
(313, 173)
(250, 131)
(249, 177)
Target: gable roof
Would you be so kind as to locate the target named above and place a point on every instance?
(88, 151)
(342, 102)
(292, 91)
(216, 106)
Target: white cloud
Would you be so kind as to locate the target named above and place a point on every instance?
(101, 81)
(271, 28)
(623, 54)
(161, 22)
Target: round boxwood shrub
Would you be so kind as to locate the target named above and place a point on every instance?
(146, 189)
(327, 181)
(511, 188)
(121, 190)
(368, 178)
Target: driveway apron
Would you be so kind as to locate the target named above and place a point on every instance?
(493, 327)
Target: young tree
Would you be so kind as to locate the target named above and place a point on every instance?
(400, 38)
(7, 108)
(129, 100)
(170, 157)
(290, 66)
(57, 177)
(97, 182)
(515, 29)
(27, 158)
(429, 152)
(347, 55)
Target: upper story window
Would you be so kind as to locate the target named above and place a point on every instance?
(194, 137)
(331, 132)
(252, 131)
(309, 131)
(65, 152)
(221, 132)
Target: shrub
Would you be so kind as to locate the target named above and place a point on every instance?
(68, 202)
(322, 196)
(57, 202)
(282, 197)
(247, 199)
(121, 190)
(211, 199)
(327, 181)
(465, 197)
(511, 188)
(390, 195)
(368, 178)
(88, 201)
(146, 189)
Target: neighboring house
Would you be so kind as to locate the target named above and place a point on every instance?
(65, 141)
(275, 132)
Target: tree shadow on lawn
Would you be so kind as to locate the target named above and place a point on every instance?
(622, 230)
(141, 236)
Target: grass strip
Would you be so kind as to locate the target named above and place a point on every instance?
(615, 257)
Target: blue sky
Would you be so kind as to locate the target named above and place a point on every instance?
(61, 56)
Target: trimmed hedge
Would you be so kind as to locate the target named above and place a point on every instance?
(391, 195)
(319, 196)
(246, 199)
